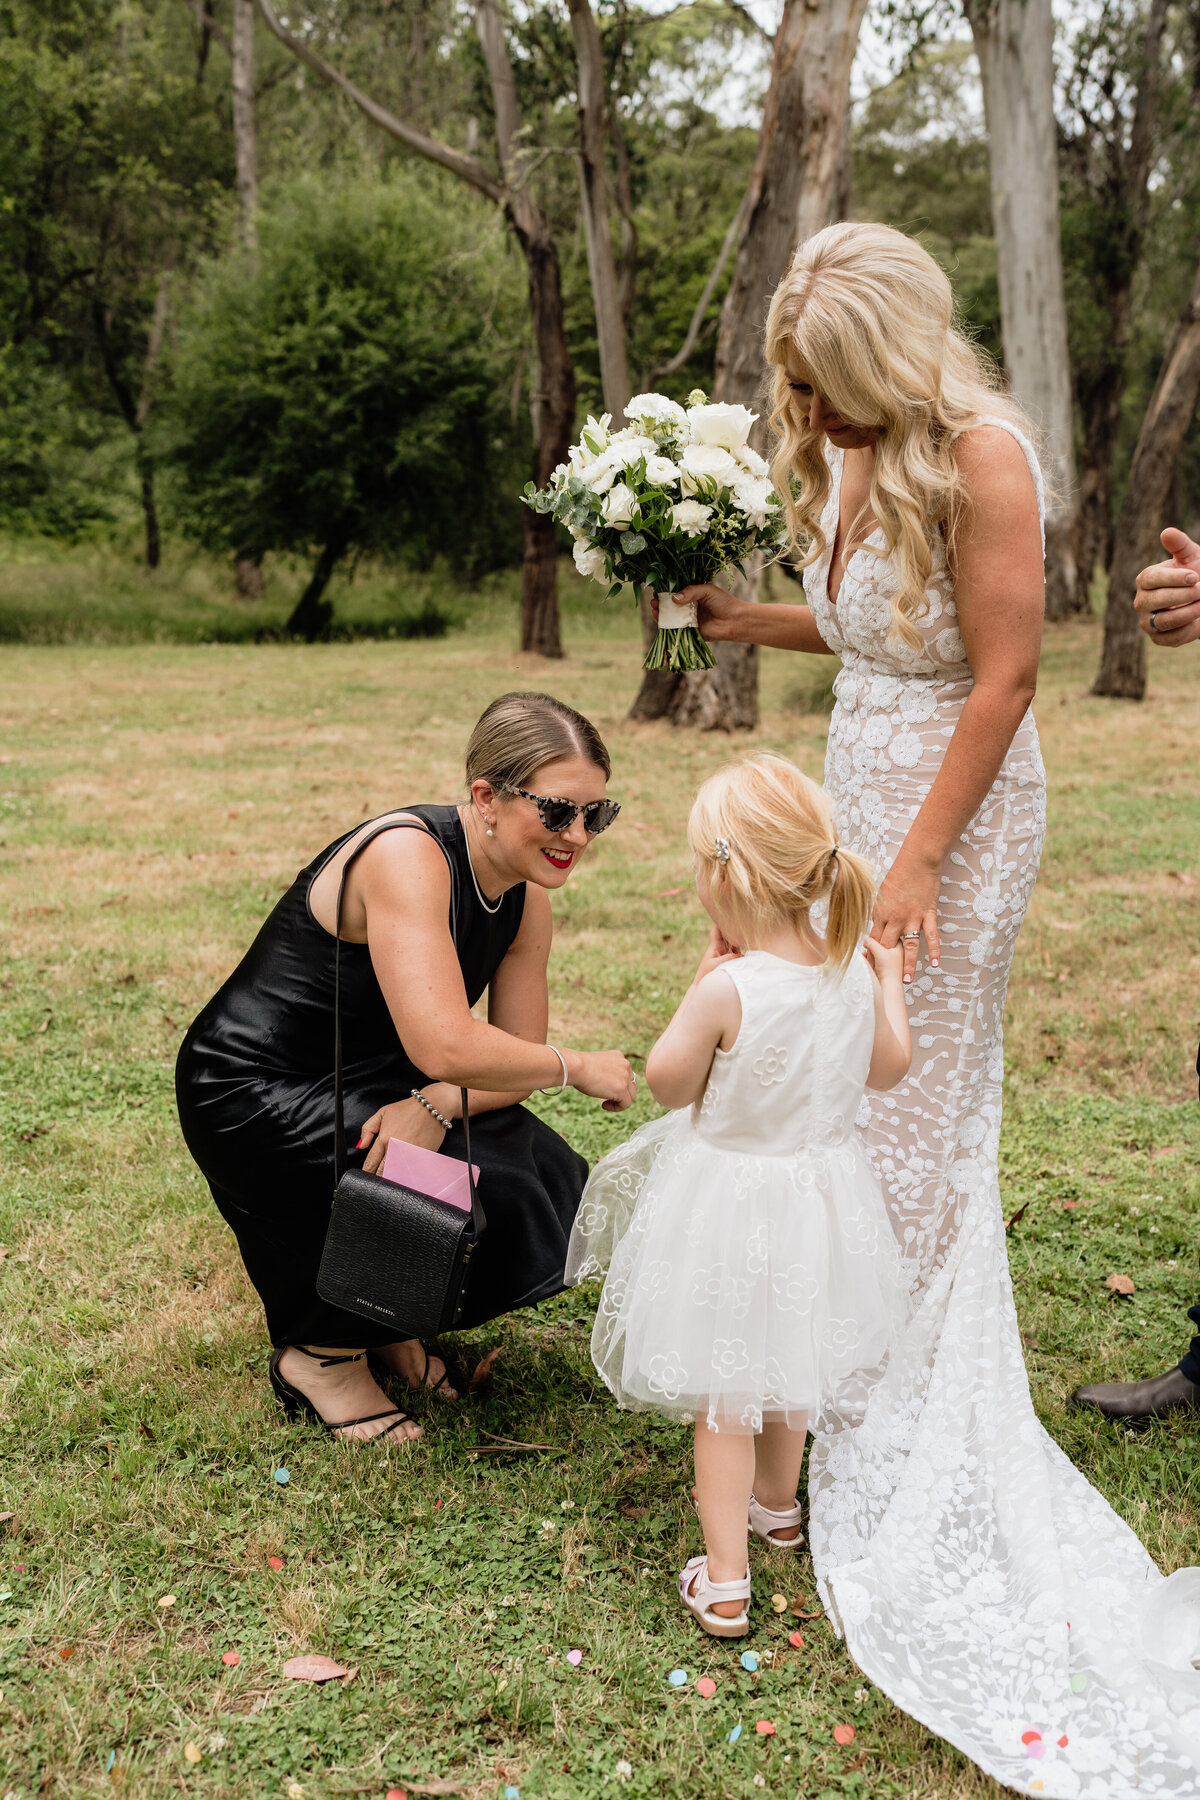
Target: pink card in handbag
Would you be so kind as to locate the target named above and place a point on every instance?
(444, 1177)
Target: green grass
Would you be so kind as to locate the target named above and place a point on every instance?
(153, 801)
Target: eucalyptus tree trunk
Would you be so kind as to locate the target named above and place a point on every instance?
(1122, 673)
(591, 105)
(791, 195)
(553, 403)
(243, 119)
(1014, 40)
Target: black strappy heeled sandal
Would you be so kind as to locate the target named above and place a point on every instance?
(298, 1406)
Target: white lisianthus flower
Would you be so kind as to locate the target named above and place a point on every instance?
(655, 409)
(600, 476)
(750, 459)
(691, 517)
(752, 495)
(726, 426)
(661, 471)
(620, 504)
(707, 462)
(588, 560)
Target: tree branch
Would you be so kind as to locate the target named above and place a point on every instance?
(710, 288)
(207, 23)
(465, 167)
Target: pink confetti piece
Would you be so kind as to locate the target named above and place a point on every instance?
(397, 1793)
(275, 1562)
(1031, 1737)
(796, 1640)
(232, 1658)
(1063, 1742)
(1036, 1750)
(764, 1728)
(575, 1657)
(843, 1734)
(706, 1687)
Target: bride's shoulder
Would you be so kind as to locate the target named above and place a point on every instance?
(994, 465)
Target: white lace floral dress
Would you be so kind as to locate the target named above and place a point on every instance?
(752, 1271)
(975, 1574)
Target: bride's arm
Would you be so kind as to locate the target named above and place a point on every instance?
(723, 618)
(999, 591)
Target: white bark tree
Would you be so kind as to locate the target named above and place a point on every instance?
(243, 119)
(1014, 40)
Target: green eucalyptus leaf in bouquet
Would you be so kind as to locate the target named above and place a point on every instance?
(667, 502)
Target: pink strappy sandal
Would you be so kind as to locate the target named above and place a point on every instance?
(699, 1602)
(764, 1523)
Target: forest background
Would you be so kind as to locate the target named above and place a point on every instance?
(275, 291)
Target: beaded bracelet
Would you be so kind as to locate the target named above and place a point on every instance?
(441, 1118)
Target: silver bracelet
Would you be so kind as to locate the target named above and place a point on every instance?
(563, 1065)
(441, 1118)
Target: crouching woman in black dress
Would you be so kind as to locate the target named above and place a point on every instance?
(443, 903)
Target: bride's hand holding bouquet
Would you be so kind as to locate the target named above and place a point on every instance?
(666, 503)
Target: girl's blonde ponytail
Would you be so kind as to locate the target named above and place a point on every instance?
(851, 898)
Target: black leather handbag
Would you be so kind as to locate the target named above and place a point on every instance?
(392, 1254)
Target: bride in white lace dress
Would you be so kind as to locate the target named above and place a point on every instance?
(976, 1576)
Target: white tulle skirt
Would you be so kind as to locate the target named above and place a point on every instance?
(740, 1288)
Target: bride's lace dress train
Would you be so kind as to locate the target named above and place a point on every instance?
(977, 1577)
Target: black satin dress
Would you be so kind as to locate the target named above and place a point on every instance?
(254, 1084)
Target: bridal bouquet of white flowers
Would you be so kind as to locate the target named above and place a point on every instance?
(669, 501)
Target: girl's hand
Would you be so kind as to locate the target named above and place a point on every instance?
(887, 964)
(717, 951)
(906, 908)
(407, 1120)
(718, 613)
(606, 1076)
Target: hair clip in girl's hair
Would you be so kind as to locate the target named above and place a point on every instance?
(835, 850)
(721, 849)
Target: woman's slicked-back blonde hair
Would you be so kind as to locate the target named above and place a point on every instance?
(783, 853)
(869, 317)
(518, 734)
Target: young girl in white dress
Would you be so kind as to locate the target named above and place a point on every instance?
(752, 1270)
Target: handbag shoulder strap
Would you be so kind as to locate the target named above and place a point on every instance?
(339, 1117)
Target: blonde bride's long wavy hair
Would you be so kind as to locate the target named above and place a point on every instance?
(869, 316)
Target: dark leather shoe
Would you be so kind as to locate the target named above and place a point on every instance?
(1136, 1400)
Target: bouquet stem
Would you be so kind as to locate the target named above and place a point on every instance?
(680, 651)
(678, 646)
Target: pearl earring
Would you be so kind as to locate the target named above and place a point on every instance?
(489, 832)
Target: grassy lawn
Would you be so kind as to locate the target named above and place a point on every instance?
(154, 799)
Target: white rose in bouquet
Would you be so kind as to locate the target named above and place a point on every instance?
(703, 463)
(656, 411)
(661, 471)
(620, 504)
(589, 560)
(726, 426)
(625, 450)
(691, 517)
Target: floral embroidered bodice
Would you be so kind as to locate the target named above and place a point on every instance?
(795, 1075)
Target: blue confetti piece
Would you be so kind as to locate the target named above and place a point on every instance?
(735, 1734)
(750, 1660)
(283, 1476)
(678, 1678)
(512, 1793)
(112, 1757)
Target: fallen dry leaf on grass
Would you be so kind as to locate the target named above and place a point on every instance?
(483, 1371)
(314, 1668)
(1017, 1216)
(1120, 1284)
(437, 1787)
